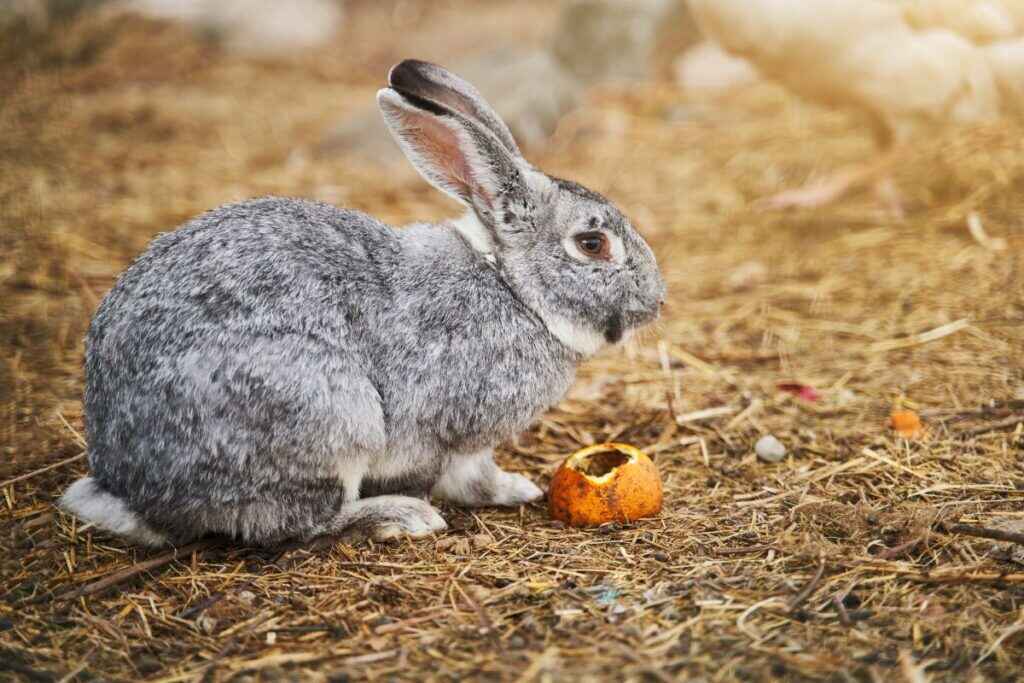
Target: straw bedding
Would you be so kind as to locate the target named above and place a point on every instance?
(858, 557)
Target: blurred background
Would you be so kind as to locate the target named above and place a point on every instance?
(834, 190)
(855, 164)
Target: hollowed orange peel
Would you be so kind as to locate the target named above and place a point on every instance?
(906, 423)
(609, 482)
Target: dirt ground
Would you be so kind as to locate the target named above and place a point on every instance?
(841, 562)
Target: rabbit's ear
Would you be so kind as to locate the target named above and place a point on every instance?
(433, 82)
(451, 151)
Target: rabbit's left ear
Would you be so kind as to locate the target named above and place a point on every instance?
(435, 83)
(452, 151)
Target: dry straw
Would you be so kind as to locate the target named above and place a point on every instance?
(861, 556)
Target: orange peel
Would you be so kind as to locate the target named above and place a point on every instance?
(609, 482)
(906, 423)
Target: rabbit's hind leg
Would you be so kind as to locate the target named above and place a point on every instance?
(476, 481)
(382, 518)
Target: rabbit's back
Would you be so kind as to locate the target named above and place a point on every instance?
(258, 266)
(224, 368)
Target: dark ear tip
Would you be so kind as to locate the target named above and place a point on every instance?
(409, 71)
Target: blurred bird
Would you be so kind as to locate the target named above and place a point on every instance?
(905, 65)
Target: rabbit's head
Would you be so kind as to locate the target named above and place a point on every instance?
(566, 251)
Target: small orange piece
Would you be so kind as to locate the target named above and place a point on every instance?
(609, 482)
(906, 423)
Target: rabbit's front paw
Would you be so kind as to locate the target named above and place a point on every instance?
(476, 481)
(515, 489)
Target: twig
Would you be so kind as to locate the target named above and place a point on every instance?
(74, 432)
(201, 606)
(807, 590)
(844, 616)
(29, 475)
(951, 575)
(1011, 421)
(431, 613)
(486, 624)
(671, 406)
(742, 551)
(41, 520)
(112, 580)
(994, 409)
(922, 338)
(901, 549)
(984, 532)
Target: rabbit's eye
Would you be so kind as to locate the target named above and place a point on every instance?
(594, 245)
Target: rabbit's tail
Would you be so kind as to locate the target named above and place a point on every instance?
(88, 501)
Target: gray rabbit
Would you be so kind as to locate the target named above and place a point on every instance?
(280, 368)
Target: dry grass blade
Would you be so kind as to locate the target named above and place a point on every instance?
(705, 414)
(41, 470)
(800, 598)
(922, 338)
(1006, 422)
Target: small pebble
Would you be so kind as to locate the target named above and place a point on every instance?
(660, 556)
(147, 664)
(845, 397)
(207, 624)
(770, 449)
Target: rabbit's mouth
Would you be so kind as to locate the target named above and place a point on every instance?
(614, 328)
(620, 323)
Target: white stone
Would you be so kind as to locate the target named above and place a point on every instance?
(770, 449)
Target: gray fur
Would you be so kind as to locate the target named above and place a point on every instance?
(282, 368)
